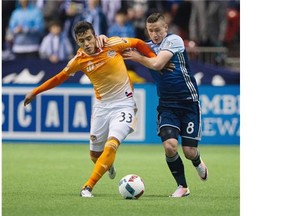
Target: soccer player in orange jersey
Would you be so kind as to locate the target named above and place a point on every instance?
(114, 112)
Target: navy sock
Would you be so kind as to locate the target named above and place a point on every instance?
(196, 161)
(176, 167)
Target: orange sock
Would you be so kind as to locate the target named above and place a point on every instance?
(104, 162)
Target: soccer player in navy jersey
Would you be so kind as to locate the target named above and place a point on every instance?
(179, 111)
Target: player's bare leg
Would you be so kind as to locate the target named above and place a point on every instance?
(95, 155)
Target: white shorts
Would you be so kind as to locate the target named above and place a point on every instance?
(113, 119)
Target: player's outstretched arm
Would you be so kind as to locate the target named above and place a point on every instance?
(49, 84)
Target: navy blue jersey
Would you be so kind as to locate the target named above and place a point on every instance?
(179, 84)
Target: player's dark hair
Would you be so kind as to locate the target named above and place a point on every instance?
(83, 26)
(154, 17)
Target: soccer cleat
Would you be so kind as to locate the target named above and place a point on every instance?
(181, 192)
(202, 171)
(112, 172)
(86, 192)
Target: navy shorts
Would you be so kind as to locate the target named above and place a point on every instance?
(183, 115)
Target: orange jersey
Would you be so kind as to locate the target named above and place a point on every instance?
(106, 69)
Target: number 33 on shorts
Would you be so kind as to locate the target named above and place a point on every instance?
(127, 117)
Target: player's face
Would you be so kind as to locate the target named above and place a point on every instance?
(87, 41)
(157, 31)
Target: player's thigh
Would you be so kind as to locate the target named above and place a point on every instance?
(191, 123)
(99, 129)
(167, 118)
(122, 122)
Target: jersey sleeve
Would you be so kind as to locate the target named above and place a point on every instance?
(141, 46)
(73, 65)
(71, 68)
(51, 83)
(173, 43)
(120, 44)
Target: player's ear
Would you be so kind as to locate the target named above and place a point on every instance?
(76, 39)
(166, 26)
(77, 42)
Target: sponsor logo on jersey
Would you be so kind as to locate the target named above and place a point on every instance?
(90, 66)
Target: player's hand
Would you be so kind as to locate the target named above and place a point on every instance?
(134, 55)
(131, 54)
(169, 67)
(29, 98)
(101, 40)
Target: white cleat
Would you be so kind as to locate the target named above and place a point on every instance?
(112, 172)
(202, 171)
(181, 192)
(86, 192)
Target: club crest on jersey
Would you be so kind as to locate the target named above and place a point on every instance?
(90, 66)
(111, 53)
(168, 44)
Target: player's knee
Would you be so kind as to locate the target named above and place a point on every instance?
(190, 152)
(170, 147)
(112, 144)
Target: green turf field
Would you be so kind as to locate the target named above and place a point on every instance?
(45, 180)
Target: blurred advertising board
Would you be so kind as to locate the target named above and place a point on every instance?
(62, 114)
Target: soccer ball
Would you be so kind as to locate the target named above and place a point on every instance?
(131, 186)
